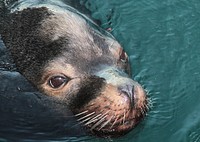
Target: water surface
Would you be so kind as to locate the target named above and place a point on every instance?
(162, 39)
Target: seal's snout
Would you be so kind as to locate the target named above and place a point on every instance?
(117, 108)
(115, 111)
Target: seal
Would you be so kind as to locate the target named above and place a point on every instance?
(61, 53)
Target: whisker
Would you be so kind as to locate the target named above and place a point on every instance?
(81, 122)
(99, 122)
(150, 102)
(105, 113)
(142, 111)
(81, 113)
(114, 122)
(150, 105)
(105, 123)
(146, 106)
(93, 119)
(86, 116)
(124, 118)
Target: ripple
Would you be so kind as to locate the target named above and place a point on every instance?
(162, 39)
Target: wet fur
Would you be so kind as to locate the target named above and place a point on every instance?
(43, 42)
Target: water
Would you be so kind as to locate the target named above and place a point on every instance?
(162, 40)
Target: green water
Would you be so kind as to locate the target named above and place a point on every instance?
(162, 39)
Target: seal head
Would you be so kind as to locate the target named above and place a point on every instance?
(88, 72)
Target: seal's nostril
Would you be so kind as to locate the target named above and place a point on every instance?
(129, 91)
(132, 89)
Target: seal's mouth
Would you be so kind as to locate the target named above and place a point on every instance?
(113, 115)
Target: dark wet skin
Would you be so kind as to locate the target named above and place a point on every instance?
(85, 71)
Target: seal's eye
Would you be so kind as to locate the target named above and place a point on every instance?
(57, 81)
(123, 57)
